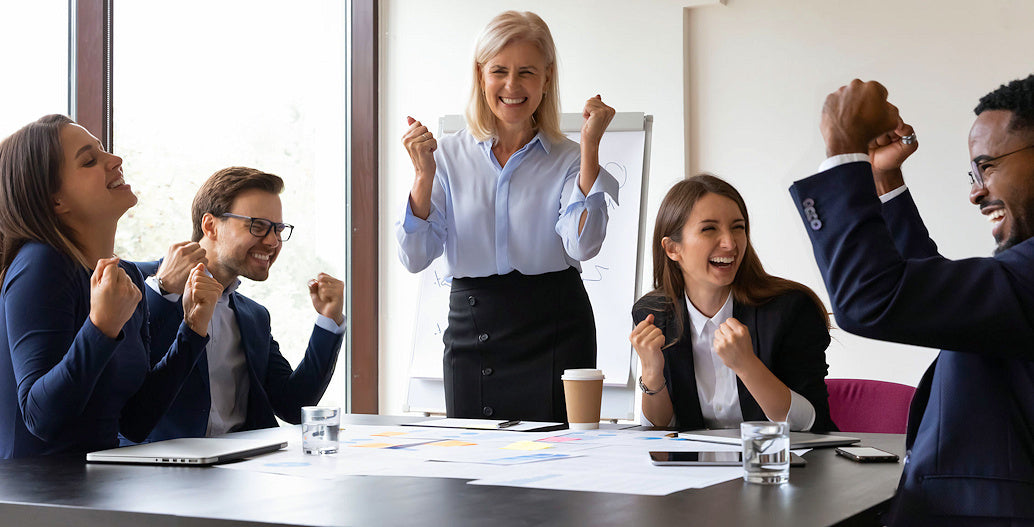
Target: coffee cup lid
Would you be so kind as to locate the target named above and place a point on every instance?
(582, 374)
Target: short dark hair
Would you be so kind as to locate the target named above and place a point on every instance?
(216, 195)
(1016, 97)
(30, 175)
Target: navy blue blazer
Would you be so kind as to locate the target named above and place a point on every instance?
(64, 385)
(789, 336)
(970, 433)
(275, 390)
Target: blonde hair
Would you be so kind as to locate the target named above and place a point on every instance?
(505, 29)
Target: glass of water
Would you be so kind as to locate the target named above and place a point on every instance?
(766, 452)
(320, 427)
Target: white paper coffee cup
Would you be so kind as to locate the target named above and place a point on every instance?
(583, 391)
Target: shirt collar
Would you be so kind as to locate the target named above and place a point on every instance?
(698, 320)
(230, 290)
(540, 138)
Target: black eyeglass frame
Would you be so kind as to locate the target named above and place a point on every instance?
(976, 174)
(279, 228)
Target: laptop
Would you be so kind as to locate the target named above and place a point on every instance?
(731, 436)
(196, 451)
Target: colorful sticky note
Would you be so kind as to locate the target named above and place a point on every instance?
(453, 442)
(527, 445)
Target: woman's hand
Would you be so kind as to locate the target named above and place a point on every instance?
(597, 117)
(199, 298)
(887, 153)
(421, 144)
(113, 297)
(732, 344)
(647, 340)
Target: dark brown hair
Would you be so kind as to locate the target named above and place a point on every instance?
(216, 195)
(751, 286)
(30, 174)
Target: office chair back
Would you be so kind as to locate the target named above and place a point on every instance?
(860, 405)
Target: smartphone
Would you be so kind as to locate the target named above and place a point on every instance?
(709, 458)
(866, 454)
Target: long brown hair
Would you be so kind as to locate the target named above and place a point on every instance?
(751, 286)
(30, 175)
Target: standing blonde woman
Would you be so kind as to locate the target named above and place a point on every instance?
(515, 206)
(74, 364)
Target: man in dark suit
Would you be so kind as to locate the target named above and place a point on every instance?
(242, 381)
(970, 438)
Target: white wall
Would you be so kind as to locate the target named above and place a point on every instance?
(759, 71)
(734, 89)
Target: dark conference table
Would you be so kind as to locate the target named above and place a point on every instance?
(68, 491)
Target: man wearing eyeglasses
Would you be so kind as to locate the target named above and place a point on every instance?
(970, 440)
(242, 382)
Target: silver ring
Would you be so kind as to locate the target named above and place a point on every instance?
(908, 139)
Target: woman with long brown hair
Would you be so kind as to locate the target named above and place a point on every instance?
(74, 364)
(720, 340)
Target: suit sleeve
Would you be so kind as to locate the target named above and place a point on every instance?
(57, 357)
(800, 360)
(289, 390)
(164, 379)
(977, 305)
(911, 238)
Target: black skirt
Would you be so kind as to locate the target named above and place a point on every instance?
(509, 340)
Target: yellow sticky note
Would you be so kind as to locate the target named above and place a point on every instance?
(389, 434)
(453, 442)
(373, 445)
(527, 445)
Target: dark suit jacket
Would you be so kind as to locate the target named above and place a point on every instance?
(970, 434)
(274, 388)
(788, 334)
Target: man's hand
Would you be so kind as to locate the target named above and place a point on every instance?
(855, 115)
(200, 295)
(328, 297)
(176, 266)
(887, 153)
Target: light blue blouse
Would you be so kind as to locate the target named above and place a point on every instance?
(493, 220)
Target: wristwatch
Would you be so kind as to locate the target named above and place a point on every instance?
(161, 286)
(646, 390)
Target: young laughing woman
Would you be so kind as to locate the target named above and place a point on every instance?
(74, 365)
(720, 340)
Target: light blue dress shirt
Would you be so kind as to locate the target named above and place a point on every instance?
(491, 220)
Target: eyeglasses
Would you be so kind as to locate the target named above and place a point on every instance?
(260, 227)
(976, 176)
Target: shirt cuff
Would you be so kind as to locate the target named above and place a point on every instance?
(801, 416)
(410, 223)
(328, 324)
(893, 194)
(152, 282)
(842, 159)
(604, 184)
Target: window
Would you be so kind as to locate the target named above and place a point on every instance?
(34, 37)
(259, 83)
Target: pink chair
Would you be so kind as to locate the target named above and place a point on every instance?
(859, 405)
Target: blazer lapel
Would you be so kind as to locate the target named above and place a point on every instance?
(689, 415)
(749, 407)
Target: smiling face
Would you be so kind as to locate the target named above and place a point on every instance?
(514, 82)
(1007, 198)
(714, 239)
(93, 191)
(231, 248)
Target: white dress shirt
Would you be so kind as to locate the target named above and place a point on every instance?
(490, 219)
